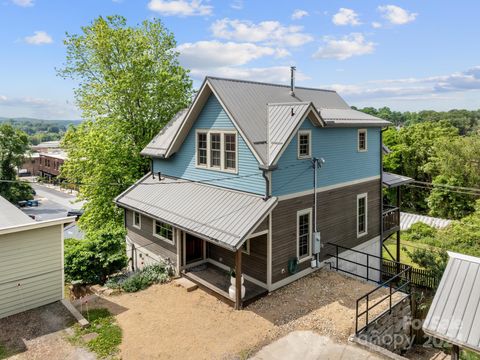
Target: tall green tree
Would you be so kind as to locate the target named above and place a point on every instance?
(412, 151)
(130, 86)
(13, 146)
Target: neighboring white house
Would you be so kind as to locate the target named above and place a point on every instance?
(31, 260)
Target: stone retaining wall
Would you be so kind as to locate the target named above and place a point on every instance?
(391, 330)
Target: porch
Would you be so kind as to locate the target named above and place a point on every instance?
(216, 281)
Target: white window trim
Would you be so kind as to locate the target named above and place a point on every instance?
(309, 133)
(171, 242)
(222, 150)
(366, 140)
(361, 196)
(139, 226)
(309, 254)
(247, 251)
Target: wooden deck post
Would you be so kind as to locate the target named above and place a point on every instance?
(238, 279)
(455, 352)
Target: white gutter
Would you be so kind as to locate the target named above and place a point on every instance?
(37, 225)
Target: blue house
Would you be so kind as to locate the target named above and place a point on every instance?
(259, 178)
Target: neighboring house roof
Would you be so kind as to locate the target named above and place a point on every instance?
(72, 231)
(246, 103)
(11, 215)
(407, 220)
(222, 216)
(455, 311)
(386, 150)
(392, 180)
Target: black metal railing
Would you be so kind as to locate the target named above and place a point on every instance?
(396, 282)
(391, 217)
(419, 277)
(403, 282)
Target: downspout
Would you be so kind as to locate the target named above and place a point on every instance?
(268, 195)
(381, 194)
(317, 163)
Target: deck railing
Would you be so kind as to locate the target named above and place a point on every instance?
(391, 217)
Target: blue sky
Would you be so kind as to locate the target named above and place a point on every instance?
(409, 55)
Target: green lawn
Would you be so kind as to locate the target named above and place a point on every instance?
(109, 333)
(391, 245)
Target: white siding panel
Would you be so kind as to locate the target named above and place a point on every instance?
(31, 269)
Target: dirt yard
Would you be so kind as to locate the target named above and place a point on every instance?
(166, 322)
(40, 334)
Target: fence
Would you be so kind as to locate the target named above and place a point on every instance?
(419, 277)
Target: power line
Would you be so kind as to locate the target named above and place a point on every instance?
(447, 186)
(444, 189)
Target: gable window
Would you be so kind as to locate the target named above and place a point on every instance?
(362, 140)
(137, 220)
(304, 234)
(163, 231)
(362, 216)
(230, 147)
(202, 149)
(215, 150)
(304, 144)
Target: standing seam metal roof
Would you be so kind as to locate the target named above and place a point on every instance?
(454, 315)
(217, 214)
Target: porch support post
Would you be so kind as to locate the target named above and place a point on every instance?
(238, 279)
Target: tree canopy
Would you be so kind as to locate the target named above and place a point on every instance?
(13, 146)
(130, 86)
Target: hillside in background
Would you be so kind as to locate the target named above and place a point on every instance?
(39, 130)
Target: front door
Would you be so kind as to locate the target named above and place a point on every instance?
(193, 248)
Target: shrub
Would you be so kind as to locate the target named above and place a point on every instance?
(91, 260)
(152, 274)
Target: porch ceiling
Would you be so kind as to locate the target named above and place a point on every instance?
(222, 216)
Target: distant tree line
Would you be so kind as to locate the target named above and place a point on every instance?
(39, 130)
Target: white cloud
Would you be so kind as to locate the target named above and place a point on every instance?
(180, 7)
(346, 16)
(211, 54)
(376, 25)
(274, 74)
(39, 38)
(268, 32)
(345, 47)
(413, 88)
(37, 108)
(23, 3)
(298, 14)
(237, 4)
(396, 15)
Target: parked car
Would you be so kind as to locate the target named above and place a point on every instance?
(32, 203)
(76, 213)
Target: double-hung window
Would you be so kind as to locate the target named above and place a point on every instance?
(202, 149)
(304, 234)
(362, 140)
(163, 231)
(217, 150)
(137, 220)
(304, 144)
(362, 215)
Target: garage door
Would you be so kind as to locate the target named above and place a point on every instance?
(31, 269)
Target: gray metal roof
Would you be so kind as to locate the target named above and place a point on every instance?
(246, 102)
(159, 145)
(283, 119)
(407, 220)
(225, 217)
(10, 215)
(349, 117)
(454, 315)
(392, 180)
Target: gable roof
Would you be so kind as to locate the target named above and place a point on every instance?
(247, 105)
(11, 215)
(455, 311)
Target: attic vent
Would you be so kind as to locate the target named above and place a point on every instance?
(292, 113)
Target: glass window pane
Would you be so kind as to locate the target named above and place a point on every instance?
(230, 149)
(215, 147)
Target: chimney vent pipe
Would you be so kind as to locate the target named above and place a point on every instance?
(292, 80)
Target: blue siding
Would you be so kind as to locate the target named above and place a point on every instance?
(338, 146)
(182, 164)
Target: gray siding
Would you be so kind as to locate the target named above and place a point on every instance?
(253, 264)
(144, 238)
(31, 269)
(337, 222)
